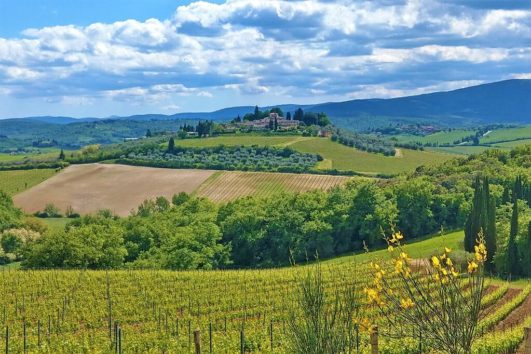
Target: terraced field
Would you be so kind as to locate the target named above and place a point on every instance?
(228, 185)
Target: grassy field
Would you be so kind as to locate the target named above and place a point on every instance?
(507, 134)
(346, 158)
(13, 182)
(513, 144)
(44, 154)
(227, 185)
(460, 150)
(55, 224)
(232, 140)
(336, 156)
(442, 137)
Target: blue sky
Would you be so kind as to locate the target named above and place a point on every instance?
(100, 58)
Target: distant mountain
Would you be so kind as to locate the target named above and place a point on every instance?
(60, 120)
(499, 102)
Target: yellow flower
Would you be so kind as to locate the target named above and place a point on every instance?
(406, 303)
(390, 248)
(454, 273)
(444, 271)
(398, 265)
(404, 256)
(447, 250)
(472, 266)
(435, 261)
(480, 252)
(397, 236)
(449, 262)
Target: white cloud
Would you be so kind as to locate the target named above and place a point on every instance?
(276, 47)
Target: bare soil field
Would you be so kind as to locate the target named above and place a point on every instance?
(228, 185)
(88, 188)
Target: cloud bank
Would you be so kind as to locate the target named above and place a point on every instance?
(208, 55)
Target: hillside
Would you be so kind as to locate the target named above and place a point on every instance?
(498, 102)
(155, 311)
(90, 187)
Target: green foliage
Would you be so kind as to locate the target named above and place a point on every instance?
(224, 158)
(10, 216)
(318, 325)
(362, 142)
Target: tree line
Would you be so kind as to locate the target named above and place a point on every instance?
(194, 233)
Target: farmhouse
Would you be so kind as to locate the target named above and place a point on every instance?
(268, 122)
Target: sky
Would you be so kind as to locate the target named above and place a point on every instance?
(97, 58)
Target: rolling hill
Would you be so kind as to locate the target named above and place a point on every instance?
(498, 102)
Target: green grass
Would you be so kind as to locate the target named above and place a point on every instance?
(507, 134)
(442, 137)
(513, 144)
(418, 248)
(460, 150)
(45, 154)
(14, 182)
(232, 140)
(350, 159)
(336, 156)
(55, 224)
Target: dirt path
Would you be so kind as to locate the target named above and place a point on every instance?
(398, 153)
(516, 317)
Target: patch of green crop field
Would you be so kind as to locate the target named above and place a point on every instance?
(460, 150)
(42, 155)
(349, 159)
(506, 134)
(14, 182)
(513, 144)
(55, 224)
(442, 137)
(416, 248)
(232, 140)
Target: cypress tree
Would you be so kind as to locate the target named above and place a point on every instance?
(475, 221)
(171, 145)
(490, 227)
(62, 155)
(512, 250)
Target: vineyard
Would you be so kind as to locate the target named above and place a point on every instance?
(235, 311)
(229, 185)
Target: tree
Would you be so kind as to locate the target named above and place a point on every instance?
(299, 114)
(180, 198)
(526, 254)
(477, 219)
(148, 134)
(414, 200)
(62, 155)
(513, 266)
(288, 116)
(490, 227)
(257, 113)
(278, 111)
(171, 145)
